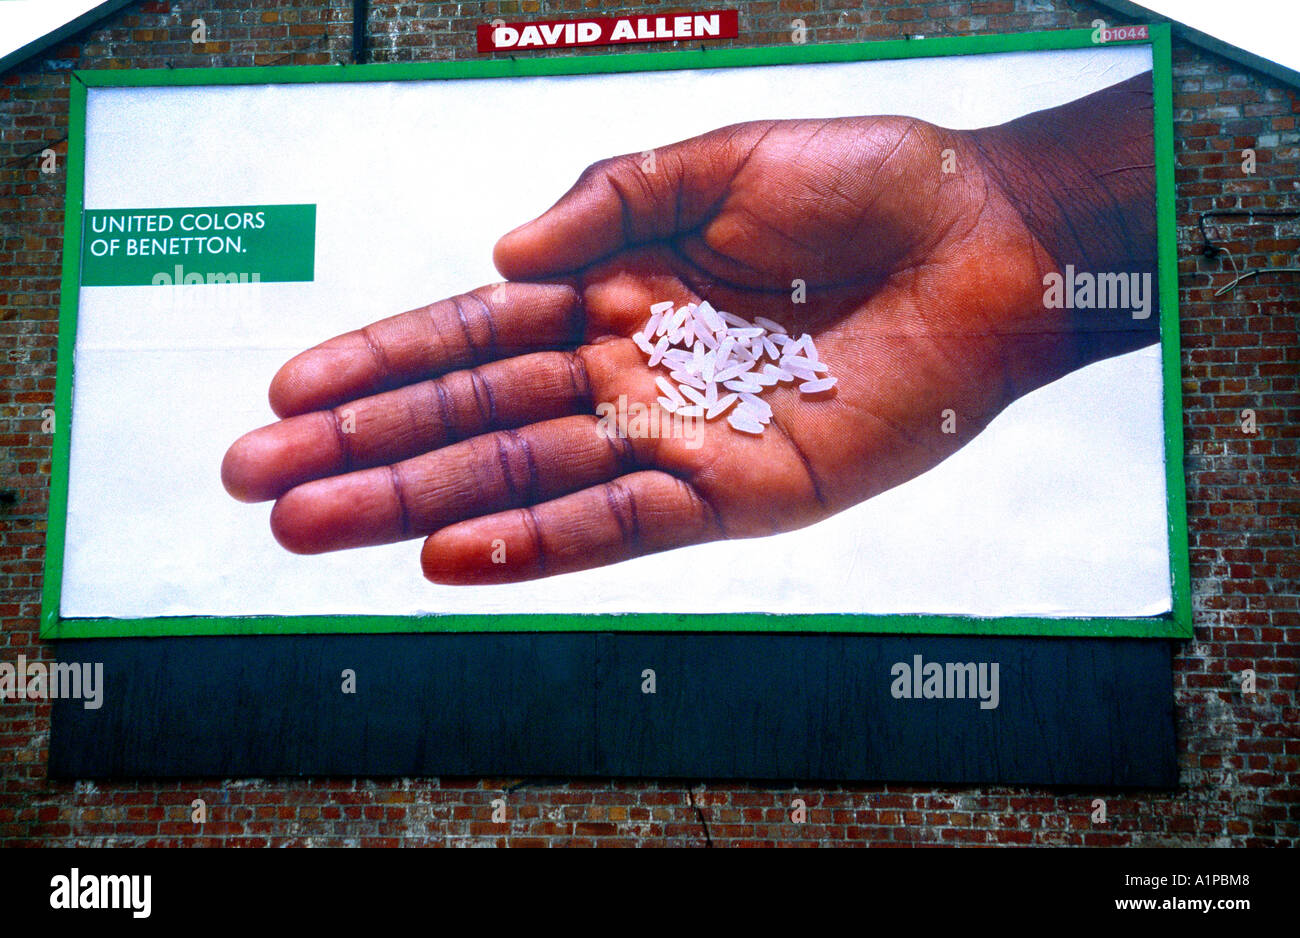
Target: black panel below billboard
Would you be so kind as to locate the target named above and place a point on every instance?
(1088, 712)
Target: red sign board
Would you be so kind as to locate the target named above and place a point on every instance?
(607, 30)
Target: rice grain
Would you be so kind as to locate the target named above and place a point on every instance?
(705, 348)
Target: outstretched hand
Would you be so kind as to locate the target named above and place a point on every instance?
(471, 421)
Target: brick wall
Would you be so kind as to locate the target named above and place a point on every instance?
(1240, 352)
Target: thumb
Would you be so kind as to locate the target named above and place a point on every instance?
(628, 200)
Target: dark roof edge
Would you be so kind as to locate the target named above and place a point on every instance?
(1205, 41)
(41, 43)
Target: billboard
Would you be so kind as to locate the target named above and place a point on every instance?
(860, 338)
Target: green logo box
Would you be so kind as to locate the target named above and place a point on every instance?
(129, 247)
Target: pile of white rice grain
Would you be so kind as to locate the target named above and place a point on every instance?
(704, 348)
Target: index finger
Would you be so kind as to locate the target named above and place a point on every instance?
(470, 329)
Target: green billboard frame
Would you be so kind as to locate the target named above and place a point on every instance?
(1177, 623)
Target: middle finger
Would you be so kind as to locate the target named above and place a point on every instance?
(400, 424)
